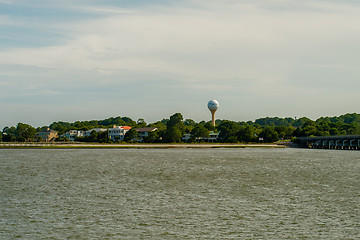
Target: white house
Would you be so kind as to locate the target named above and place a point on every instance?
(88, 132)
(144, 132)
(213, 137)
(73, 134)
(186, 137)
(118, 132)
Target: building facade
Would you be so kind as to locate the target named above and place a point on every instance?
(88, 132)
(48, 135)
(117, 133)
(144, 132)
(73, 134)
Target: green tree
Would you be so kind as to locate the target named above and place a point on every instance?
(285, 132)
(189, 122)
(25, 132)
(334, 131)
(323, 129)
(209, 126)
(152, 137)
(175, 128)
(9, 134)
(159, 125)
(128, 121)
(112, 121)
(173, 134)
(61, 127)
(228, 131)
(93, 137)
(141, 123)
(354, 128)
(176, 120)
(309, 131)
(247, 133)
(62, 139)
(131, 135)
(200, 132)
(103, 137)
(300, 122)
(269, 134)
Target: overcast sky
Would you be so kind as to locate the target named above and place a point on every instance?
(63, 60)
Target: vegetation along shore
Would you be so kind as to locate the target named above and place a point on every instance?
(118, 132)
(58, 145)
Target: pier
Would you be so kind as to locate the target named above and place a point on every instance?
(349, 142)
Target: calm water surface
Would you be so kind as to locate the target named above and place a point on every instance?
(179, 194)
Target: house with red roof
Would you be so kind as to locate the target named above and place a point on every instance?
(117, 133)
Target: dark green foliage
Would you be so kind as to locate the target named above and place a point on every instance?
(152, 137)
(63, 127)
(173, 134)
(131, 135)
(175, 128)
(309, 129)
(140, 123)
(285, 132)
(8, 138)
(189, 122)
(103, 137)
(176, 120)
(300, 122)
(129, 122)
(347, 118)
(275, 121)
(348, 124)
(25, 132)
(112, 121)
(247, 133)
(159, 125)
(229, 131)
(209, 126)
(269, 134)
(200, 132)
(172, 130)
(22, 132)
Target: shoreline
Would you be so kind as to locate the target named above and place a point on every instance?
(134, 146)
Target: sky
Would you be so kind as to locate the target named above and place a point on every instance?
(63, 60)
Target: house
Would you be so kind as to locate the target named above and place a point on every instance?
(144, 132)
(73, 134)
(47, 135)
(213, 137)
(118, 132)
(88, 132)
(186, 137)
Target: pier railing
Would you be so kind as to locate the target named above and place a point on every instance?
(344, 142)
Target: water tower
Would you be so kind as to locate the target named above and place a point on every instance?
(213, 105)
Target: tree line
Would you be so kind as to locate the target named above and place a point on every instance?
(269, 129)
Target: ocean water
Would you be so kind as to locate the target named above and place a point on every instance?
(250, 193)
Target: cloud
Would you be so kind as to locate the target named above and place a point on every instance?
(255, 51)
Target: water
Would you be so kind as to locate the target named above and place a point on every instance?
(179, 194)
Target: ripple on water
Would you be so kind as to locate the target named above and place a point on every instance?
(179, 193)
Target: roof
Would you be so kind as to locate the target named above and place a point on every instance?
(97, 130)
(48, 130)
(146, 129)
